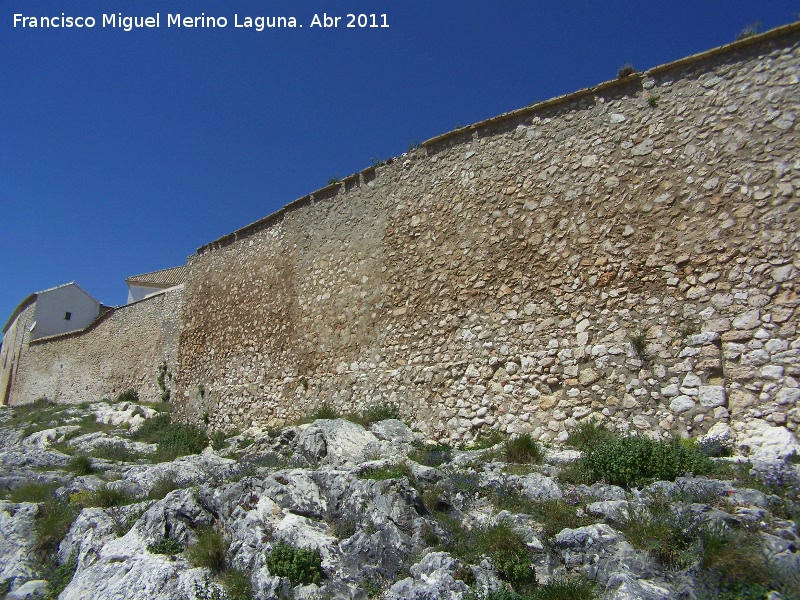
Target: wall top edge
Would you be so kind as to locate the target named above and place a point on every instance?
(730, 48)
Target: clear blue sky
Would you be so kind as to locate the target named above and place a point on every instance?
(122, 152)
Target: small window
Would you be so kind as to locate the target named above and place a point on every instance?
(67, 316)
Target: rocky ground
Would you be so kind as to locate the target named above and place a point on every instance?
(97, 505)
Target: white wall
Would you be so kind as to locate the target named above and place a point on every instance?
(52, 306)
(138, 292)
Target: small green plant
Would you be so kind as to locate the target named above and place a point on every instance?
(507, 551)
(375, 413)
(300, 565)
(688, 328)
(206, 418)
(566, 588)
(432, 455)
(162, 487)
(304, 383)
(751, 30)
(116, 452)
(626, 71)
(162, 381)
(377, 162)
(638, 341)
(652, 100)
(129, 395)
(665, 532)
(201, 389)
(344, 528)
(57, 575)
(236, 584)
(522, 449)
(168, 546)
(52, 524)
(218, 440)
(334, 180)
(487, 438)
(32, 491)
(103, 496)
(209, 550)
(173, 439)
(324, 411)
(387, 472)
(81, 465)
(589, 433)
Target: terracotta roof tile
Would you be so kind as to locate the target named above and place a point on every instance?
(166, 277)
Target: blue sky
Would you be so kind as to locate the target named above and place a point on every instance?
(123, 152)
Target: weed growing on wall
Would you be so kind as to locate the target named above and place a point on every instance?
(750, 31)
(626, 71)
(162, 381)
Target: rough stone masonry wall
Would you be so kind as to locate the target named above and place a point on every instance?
(120, 351)
(592, 256)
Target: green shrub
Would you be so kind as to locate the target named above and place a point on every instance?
(324, 411)
(652, 100)
(589, 433)
(173, 439)
(81, 465)
(508, 553)
(387, 472)
(565, 588)
(57, 575)
(668, 534)
(299, 565)
(129, 395)
(162, 487)
(522, 449)
(487, 438)
(218, 440)
(375, 413)
(52, 524)
(432, 455)
(553, 514)
(117, 452)
(236, 584)
(638, 342)
(209, 551)
(32, 491)
(626, 71)
(631, 460)
(168, 546)
(103, 496)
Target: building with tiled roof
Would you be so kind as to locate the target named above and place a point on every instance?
(141, 286)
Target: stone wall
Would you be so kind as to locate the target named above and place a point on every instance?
(629, 252)
(121, 350)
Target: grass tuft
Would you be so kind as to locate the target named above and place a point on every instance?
(209, 550)
(522, 449)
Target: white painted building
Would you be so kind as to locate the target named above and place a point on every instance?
(141, 286)
(58, 310)
(63, 309)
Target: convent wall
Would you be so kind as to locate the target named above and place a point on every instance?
(627, 252)
(121, 350)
